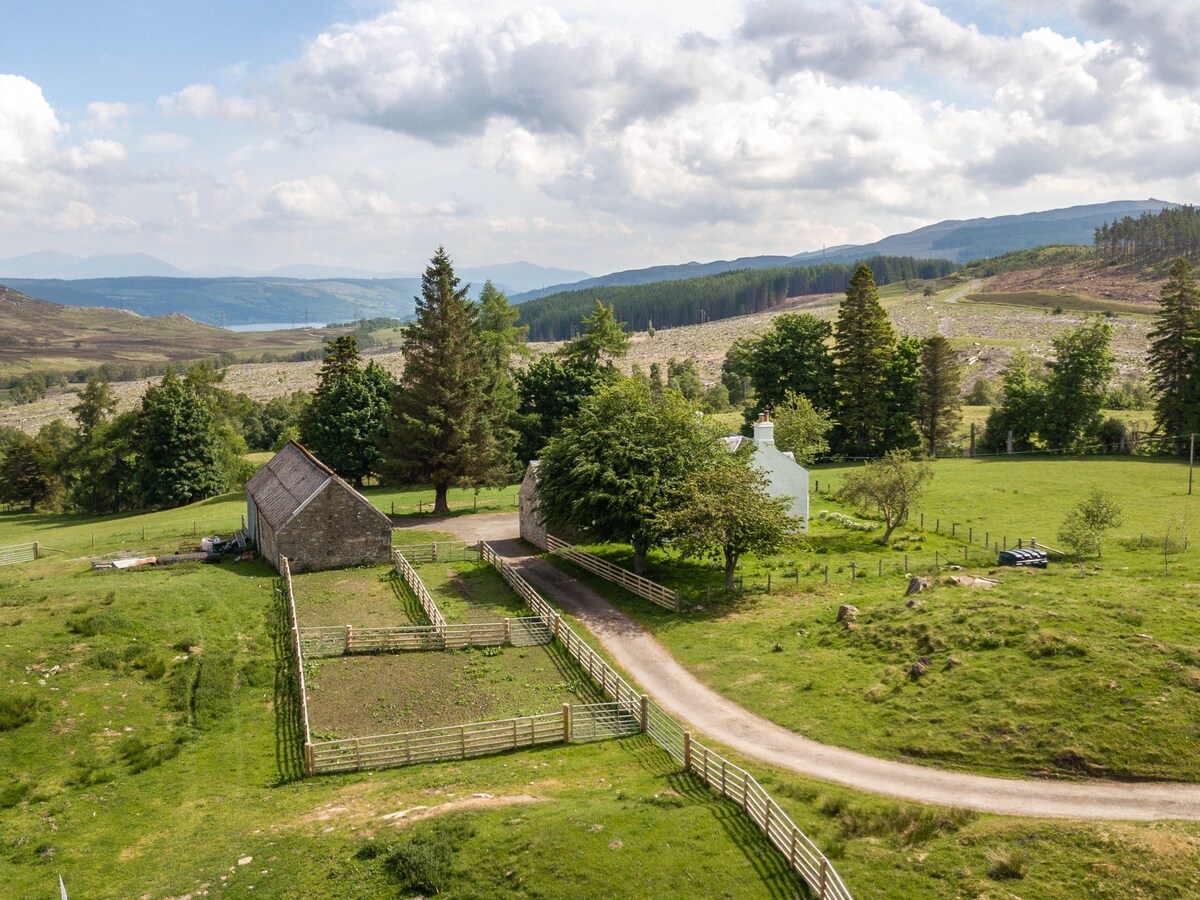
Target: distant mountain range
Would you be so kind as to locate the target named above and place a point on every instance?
(959, 240)
(515, 276)
(298, 293)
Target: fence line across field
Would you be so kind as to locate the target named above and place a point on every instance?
(731, 780)
(343, 640)
(637, 584)
(285, 572)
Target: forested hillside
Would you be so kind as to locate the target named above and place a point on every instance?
(668, 304)
(1151, 238)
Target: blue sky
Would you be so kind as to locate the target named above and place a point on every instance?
(582, 135)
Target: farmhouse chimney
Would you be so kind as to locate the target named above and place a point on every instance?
(764, 431)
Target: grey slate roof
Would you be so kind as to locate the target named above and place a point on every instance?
(286, 483)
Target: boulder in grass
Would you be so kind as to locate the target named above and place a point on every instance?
(847, 613)
(918, 583)
(920, 667)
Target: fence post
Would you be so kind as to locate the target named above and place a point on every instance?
(853, 571)
(824, 870)
(881, 567)
(937, 562)
(566, 723)
(557, 623)
(922, 520)
(309, 765)
(971, 535)
(768, 582)
(37, 549)
(953, 529)
(645, 704)
(827, 573)
(966, 558)
(906, 569)
(507, 630)
(349, 639)
(987, 539)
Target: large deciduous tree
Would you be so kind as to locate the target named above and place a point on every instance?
(1076, 383)
(621, 464)
(863, 346)
(1173, 353)
(446, 428)
(550, 392)
(792, 356)
(939, 401)
(725, 512)
(180, 458)
(1021, 412)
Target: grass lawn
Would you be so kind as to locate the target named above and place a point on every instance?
(1050, 673)
(417, 501)
(182, 658)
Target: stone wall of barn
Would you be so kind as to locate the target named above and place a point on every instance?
(335, 529)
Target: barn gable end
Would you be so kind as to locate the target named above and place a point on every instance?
(299, 508)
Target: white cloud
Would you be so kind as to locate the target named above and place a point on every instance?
(28, 125)
(202, 101)
(105, 116)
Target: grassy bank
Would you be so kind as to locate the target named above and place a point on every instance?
(1068, 672)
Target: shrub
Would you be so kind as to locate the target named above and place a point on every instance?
(141, 755)
(94, 624)
(425, 860)
(1010, 865)
(20, 707)
(845, 521)
(13, 792)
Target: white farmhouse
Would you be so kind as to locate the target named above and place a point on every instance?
(785, 476)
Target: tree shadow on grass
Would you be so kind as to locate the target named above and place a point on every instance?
(768, 863)
(289, 718)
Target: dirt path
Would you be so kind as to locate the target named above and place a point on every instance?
(958, 295)
(716, 717)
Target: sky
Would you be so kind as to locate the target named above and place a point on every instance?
(582, 135)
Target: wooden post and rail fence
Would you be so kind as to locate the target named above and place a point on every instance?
(19, 553)
(630, 712)
(723, 776)
(636, 584)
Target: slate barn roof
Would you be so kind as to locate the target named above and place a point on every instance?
(285, 485)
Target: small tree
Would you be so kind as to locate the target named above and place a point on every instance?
(603, 339)
(892, 485)
(725, 512)
(801, 429)
(1084, 527)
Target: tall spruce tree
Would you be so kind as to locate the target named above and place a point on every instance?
(863, 346)
(939, 401)
(602, 340)
(444, 422)
(1173, 352)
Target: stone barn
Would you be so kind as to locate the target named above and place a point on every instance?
(299, 508)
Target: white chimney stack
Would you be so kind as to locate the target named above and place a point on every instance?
(764, 431)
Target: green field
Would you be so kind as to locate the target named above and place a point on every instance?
(1067, 672)
(175, 804)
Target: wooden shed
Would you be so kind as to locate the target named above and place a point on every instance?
(299, 508)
